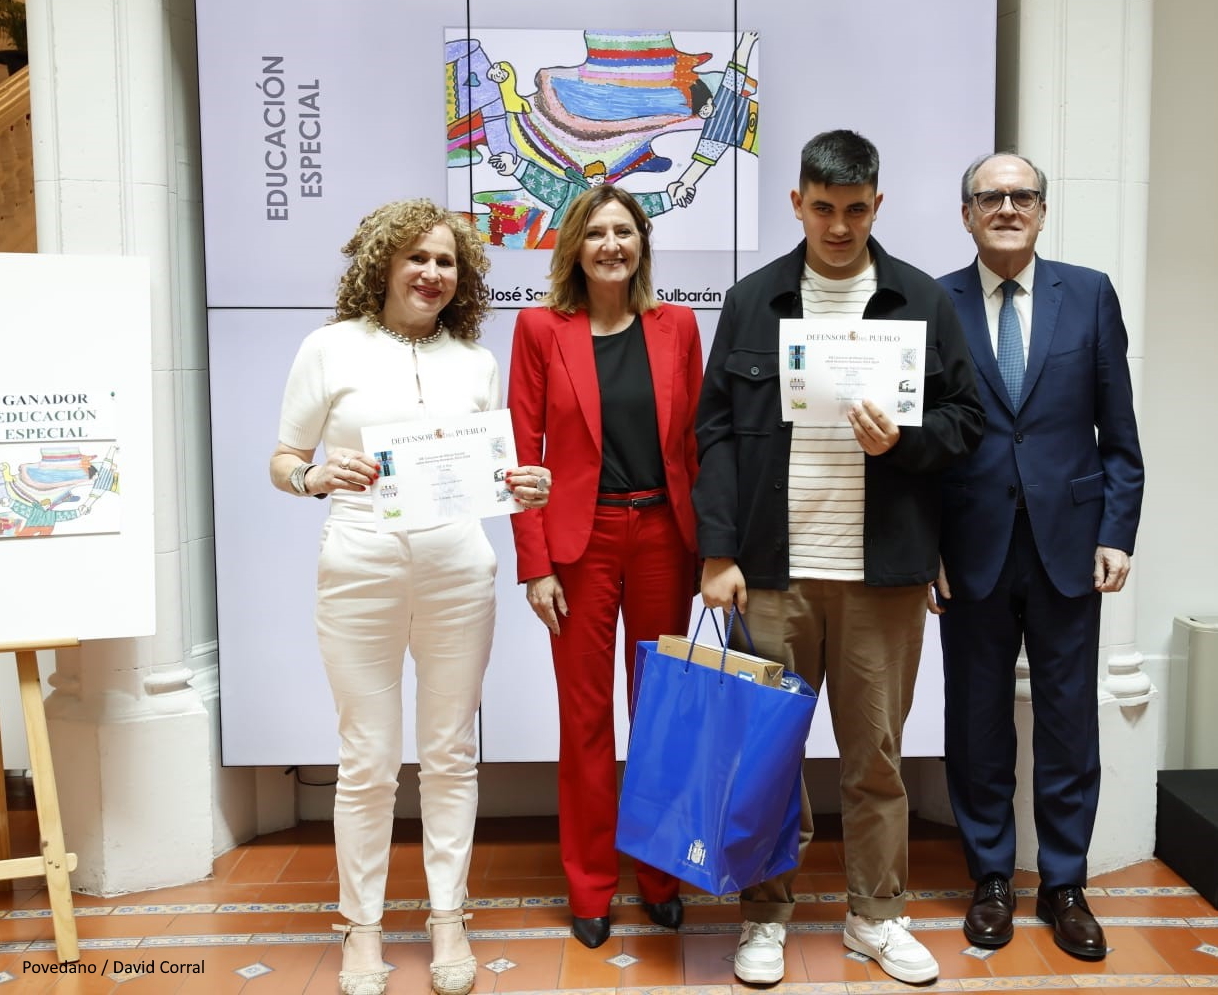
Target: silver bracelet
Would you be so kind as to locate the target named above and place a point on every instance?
(297, 477)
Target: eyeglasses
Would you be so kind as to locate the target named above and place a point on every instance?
(989, 201)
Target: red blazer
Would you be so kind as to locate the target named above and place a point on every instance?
(556, 416)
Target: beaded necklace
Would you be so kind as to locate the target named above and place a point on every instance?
(406, 339)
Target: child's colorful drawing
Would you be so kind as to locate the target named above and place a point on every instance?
(527, 153)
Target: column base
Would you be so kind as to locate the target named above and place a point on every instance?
(134, 786)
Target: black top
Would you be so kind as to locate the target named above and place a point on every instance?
(630, 441)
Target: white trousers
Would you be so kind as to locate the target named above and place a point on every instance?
(378, 595)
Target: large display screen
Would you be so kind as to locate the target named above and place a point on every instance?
(313, 114)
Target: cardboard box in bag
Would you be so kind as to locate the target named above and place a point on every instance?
(742, 665)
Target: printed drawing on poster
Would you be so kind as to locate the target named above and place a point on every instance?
(534, 118)
(59, 462)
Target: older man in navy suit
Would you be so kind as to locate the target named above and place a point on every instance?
(1037, 523)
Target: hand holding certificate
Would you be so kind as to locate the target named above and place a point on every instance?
(828, 365)
(447, 468)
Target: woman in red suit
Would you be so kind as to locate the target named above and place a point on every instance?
(604, 382)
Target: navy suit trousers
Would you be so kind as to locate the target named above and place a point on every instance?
(981, 641)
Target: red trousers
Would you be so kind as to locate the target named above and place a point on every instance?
(635, 563)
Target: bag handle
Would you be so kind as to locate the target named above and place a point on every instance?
(724, 637)
(736, 615)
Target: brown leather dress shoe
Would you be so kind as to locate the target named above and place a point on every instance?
(1074, 927)
(988, 922)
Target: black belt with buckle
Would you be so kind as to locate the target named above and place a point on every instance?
(650, 501)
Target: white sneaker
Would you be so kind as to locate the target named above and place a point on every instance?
(759, 955)
(888, 943)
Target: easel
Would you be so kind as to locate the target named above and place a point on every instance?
(54, 863)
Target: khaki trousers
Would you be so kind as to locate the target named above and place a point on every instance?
(863, 643)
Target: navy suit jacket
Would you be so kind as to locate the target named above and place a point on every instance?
(1071, 442)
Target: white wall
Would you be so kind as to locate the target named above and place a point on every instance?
(13, 746)
(1178, 541)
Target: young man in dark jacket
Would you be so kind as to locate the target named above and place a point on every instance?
(828, 535)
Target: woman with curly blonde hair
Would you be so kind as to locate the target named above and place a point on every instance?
(400, 348)
(361, 291)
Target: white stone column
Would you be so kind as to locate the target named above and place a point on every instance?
(130, 735)
(1083, 115)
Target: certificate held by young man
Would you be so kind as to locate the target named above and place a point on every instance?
(826, 365)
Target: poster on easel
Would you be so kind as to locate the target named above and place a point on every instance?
(76, 523)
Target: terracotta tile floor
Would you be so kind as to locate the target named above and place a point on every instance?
(261, 925)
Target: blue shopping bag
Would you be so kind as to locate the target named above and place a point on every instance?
(711, 791)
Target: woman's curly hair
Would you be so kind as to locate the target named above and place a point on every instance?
(361, 291)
